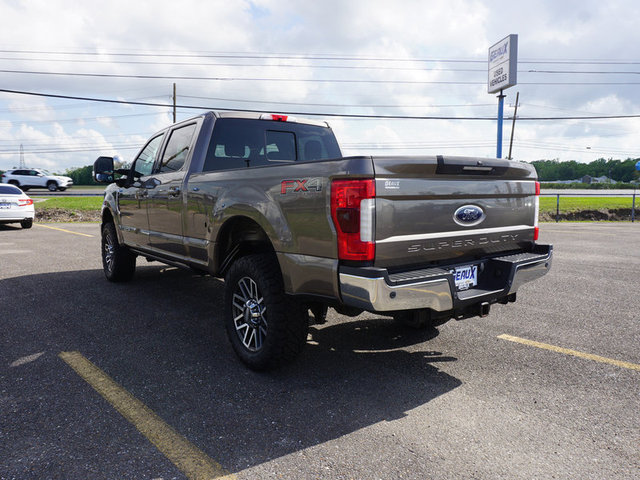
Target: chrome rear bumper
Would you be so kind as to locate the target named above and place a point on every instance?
(374, 289)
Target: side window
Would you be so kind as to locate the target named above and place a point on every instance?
(281, 146)
(144, 163)
(177, 149)
(236, 143)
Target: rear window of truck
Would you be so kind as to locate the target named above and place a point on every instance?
(243, 143)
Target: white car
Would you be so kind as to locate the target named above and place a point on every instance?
(26, 178)
(15, 206)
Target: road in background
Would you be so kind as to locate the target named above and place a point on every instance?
(79, 191)
(99, 190)
(367, 399)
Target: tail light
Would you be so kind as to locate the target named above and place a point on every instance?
(536, 230)
(353, 213)
(24, 202)
(277, 118)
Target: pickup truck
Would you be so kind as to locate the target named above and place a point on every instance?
(268, 203)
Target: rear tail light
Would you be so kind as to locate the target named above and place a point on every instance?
(24, 202)
(536, 230)
(353, 213)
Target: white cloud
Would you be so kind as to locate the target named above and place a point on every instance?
(407, 29)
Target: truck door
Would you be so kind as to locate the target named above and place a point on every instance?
(132, 201)
(165, 201)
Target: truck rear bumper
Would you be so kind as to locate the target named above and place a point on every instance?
(375, 289)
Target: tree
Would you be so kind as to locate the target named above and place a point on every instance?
(82, 175)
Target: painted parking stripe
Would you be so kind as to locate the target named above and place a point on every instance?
(567, 351)
(192, 461)
(63, 230)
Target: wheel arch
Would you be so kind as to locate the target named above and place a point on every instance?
(238, 237)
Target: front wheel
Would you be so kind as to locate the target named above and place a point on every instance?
(265, 327)
(118, 263)
(52, 186)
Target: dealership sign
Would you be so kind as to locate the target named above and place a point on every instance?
(503, 64)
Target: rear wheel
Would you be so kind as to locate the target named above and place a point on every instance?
(27, 223)
(265, 327)
(118, 263)
(15, 183)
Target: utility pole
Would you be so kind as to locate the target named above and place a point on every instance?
(174, 103)
(22, 165)
(513, 124)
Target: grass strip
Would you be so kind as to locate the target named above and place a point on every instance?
(69, 203)
(575, 204)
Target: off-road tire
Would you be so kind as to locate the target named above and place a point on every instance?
(266, 327)
(118, 262)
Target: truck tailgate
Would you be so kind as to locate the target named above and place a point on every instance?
(435, 210)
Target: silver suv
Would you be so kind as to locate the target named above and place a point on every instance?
(26, 178)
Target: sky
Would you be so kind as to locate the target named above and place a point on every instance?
(351, 62)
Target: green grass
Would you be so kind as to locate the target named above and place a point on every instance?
(547, 204)
(573, 204)
(70, 203)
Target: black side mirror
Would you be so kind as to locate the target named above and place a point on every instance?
(103, 171)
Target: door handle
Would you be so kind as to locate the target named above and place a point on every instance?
(174, 191)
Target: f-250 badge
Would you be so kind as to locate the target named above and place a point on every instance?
(300, 186)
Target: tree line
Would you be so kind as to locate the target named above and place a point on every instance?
(617, 170)
(548, 170)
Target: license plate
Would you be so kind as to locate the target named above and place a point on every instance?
(466, 277)
(5, 205)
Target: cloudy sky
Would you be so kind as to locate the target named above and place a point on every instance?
(353, 62)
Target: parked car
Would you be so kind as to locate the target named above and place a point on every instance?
(26, 178)
(15, 206)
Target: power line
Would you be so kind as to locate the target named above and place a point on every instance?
(316, 56)
(321, 114)
(271, 102)
(240, 79)
(298, 80)
(87, 119)
(312, 66)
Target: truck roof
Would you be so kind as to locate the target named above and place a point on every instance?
(269, 116)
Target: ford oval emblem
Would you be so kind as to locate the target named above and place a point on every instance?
(468, 215)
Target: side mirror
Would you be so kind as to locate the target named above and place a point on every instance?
(103, 171)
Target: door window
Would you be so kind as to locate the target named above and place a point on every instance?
(177, 148)
(143, 165)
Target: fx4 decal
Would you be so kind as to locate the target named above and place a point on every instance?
(301, 185)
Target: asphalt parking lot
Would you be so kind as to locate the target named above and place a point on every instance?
(138, 380)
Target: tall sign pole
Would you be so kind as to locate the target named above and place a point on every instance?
(503, 73)
(500, 121)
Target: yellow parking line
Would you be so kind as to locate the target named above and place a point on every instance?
(63, 230)
(192, 461)
(567, 351)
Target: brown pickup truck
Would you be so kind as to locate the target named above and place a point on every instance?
(268, 203)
